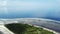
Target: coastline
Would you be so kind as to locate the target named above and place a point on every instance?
(46, 29)
(26, 20)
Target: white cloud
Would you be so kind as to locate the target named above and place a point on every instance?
(3, 6)
(3, 3)
(21, 5)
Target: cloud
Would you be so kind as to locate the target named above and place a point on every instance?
(34, 7)
(3, 7)
(3, 3)
(23, 5)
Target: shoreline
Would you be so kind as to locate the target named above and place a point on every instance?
(5, 30)
(34, 26)
(46, 29)
(17, 20)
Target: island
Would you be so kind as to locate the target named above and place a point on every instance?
(19, 28)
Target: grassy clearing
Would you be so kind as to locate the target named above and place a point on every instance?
(26, 29)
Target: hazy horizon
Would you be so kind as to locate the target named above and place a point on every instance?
(30, 9)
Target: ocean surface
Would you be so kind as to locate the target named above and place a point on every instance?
(12, 17)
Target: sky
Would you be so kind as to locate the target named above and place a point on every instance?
(30, 9)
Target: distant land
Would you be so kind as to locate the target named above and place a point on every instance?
(47, 23)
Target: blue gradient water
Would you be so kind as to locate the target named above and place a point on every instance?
(27, 15)
(30, 9)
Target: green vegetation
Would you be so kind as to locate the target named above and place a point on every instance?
(26, 29)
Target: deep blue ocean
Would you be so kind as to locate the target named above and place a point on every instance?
(11, 16)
